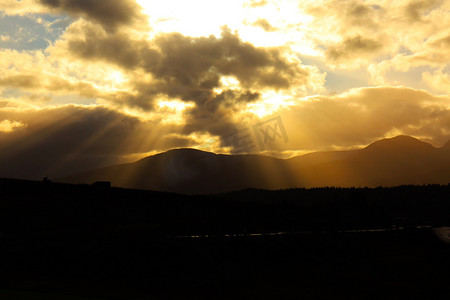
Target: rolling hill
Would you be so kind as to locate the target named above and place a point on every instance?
(387, 162)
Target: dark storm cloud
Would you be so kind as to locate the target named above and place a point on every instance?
(216, 115)
(190, 69)
(110, 14)
(174, 66)
(95, 44)
(350, 47)
(229, 97)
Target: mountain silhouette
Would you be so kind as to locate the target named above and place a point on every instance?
(387, 162)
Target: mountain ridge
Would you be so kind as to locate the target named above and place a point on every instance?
(387, 162)
(401, 141)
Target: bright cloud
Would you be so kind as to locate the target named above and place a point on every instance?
(7, 126)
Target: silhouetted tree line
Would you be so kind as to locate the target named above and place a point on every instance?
(29, 206)
(354, 208)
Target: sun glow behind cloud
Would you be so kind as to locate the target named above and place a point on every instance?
(270, 104)
(116, 81)
(193, 18)
(173, 109)
(287, 23)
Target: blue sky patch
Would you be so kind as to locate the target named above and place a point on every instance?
(31, 32)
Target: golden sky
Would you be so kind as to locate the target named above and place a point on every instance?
(88, 83)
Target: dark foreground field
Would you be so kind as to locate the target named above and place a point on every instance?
(82, 242)
(391, 265)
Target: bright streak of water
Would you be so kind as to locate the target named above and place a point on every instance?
(443, 233)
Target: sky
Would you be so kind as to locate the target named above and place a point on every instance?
(87, 83)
